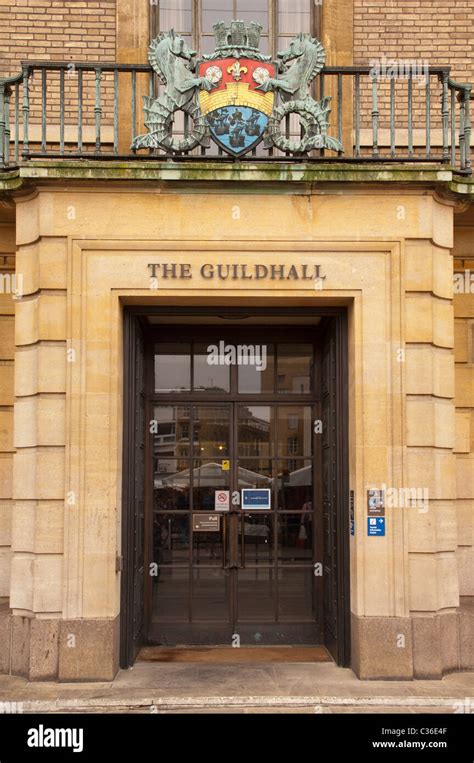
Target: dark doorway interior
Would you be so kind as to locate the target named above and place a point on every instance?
(212, 407)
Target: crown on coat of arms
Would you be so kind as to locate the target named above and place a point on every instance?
(237, 35)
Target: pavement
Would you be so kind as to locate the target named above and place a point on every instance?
(237, 688)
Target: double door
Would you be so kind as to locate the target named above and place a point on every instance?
(234, 537)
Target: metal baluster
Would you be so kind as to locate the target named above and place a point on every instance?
(79, 110)
(43, 110)
(97, 109)
(392, 118)
(453, 127)
(134, 104)
(116, 112)
(17, 121)
(445, 116)
(321, 93)
(375, 118)
(3, 157)
(467, 127)
(428, 116)
(61, 111)
(339, 110)
(462, 147)
(26, 112)
(357, 115)
(410, 114)
(7, 125)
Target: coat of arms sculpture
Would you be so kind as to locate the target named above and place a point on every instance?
(236, 95)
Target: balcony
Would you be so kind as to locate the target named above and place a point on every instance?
(92, 111)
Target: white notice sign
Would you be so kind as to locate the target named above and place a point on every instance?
(222, 500)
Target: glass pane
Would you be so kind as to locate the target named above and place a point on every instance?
(254, 433)
(173, 367)
(295, 537)
(208, 476)
(295, 485)
(171, 595)
(294, 16)
(170, 430)
(255, 594)
(211, 424)
(256, 369)
(211, 17)
(258, 538)
(295, 594)
(295, 368)
(170, 539)
(176, 14)
(210, 372)
(207, 547)
(171, 485)
(254, 473)
(211, 596)
(295, 436)
(260, 17)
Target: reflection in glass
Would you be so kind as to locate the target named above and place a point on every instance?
(208, 476)
(295, 594)
(171, 485)
(255, 473)
(251, 379)
(170, 432)
(173, 367)
(255, 594)
(295, 486)
(295, 435)
(295, 368)
(295, 537)
(258, 538)
(170, 539)
(207, 547)
(170, 601)
(254, 430)
(211, 425)
(211, 599)
(209, 378)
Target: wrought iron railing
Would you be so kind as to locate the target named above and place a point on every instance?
(93, 111)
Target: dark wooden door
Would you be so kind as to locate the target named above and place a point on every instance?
(133, 527)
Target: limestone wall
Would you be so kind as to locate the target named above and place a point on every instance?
(389, 259)
(7, 349)
(464, 380)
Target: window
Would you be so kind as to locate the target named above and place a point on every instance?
(293, 446)
(195, 19)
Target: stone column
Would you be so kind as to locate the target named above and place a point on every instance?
(7, 347)
(39, 438)
(430, 430)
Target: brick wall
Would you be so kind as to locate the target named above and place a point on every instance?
(431, 32)
(59, 30)
(63, 30)
(438, 31)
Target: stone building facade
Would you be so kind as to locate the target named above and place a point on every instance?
(395, 242)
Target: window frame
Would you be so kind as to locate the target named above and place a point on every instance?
(273, 31)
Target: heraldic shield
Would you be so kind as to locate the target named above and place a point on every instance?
(236, 110)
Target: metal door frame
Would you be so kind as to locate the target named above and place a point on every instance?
(135, 316)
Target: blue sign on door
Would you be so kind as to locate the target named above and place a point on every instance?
(375, 526)
(256, 499)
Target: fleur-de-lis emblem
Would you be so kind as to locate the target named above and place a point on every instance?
(236, 70)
